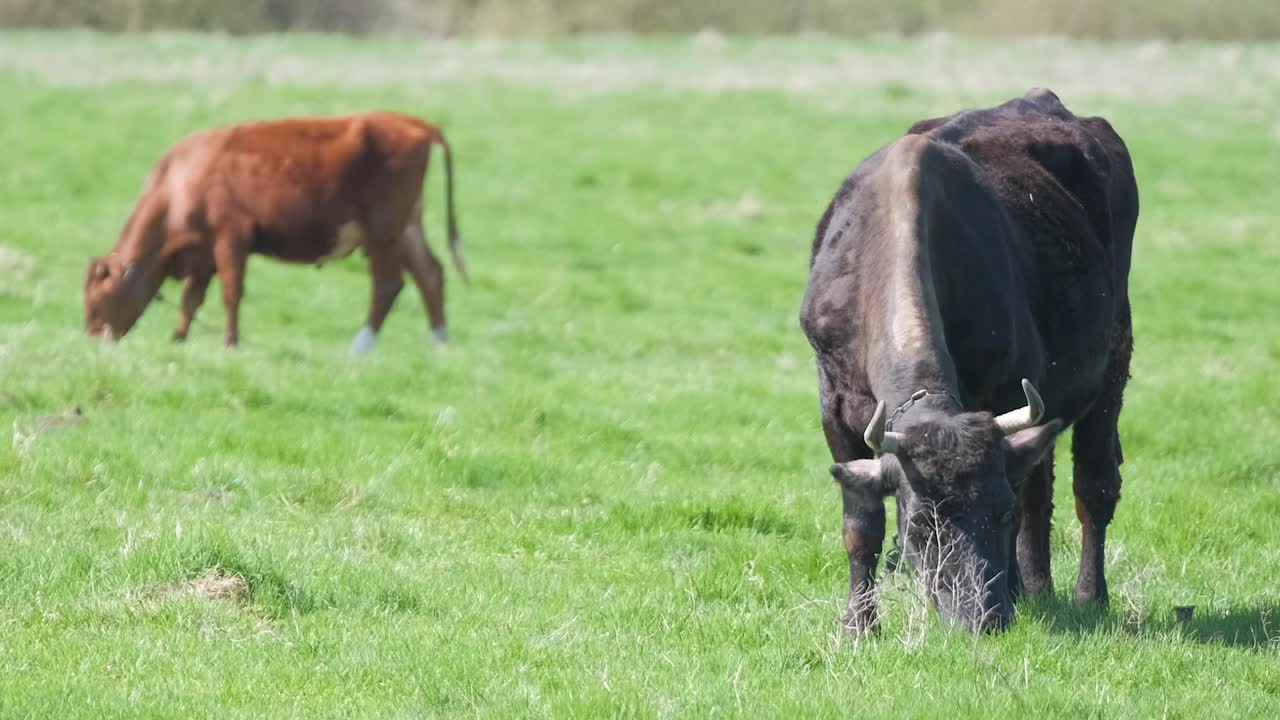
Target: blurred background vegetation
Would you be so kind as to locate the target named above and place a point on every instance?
(1247, 20)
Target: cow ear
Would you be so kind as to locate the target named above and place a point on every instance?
(98, 269)
(1024, 449)
(865, 477)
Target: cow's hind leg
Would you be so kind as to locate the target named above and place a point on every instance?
(428, 274)
(1034, 526)
(194, 288)
(1096, 451)
(384, 271)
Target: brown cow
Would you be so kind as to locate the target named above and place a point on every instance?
(306, 190)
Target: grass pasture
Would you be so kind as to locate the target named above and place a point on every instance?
(608, 496)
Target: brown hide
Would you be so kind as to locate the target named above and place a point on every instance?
(303, 190)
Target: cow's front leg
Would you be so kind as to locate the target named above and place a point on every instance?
(231, 257)
(1032, 538)
(862, 528)
(193, 292)
(863, 533)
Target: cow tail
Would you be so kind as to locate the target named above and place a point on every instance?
(455, 243)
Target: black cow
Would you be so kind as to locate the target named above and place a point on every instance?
(978, 255)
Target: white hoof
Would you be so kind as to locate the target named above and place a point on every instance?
(363, 341)
(441, 334)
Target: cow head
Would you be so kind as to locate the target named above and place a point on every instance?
(957, 479)
(115, 294)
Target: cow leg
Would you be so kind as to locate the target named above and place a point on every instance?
(1032, 562)
(1096, 451)
(428, 274)
(384, 270)
(862, 529)
(1096, 448)
(1097, 490)
(231, 255)
(194, 288)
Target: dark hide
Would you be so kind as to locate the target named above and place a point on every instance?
(980, 249)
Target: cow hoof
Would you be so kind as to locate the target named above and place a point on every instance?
(861, 624)
(441, 334)
(363, 341)
(1087, 599)
(1035, 589)
(179, 336)
(861, 616)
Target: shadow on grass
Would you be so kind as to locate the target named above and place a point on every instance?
(1247, 627)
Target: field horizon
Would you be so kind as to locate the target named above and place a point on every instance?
(608, 494)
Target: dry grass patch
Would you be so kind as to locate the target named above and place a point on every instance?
(215, 584)
(15, 265)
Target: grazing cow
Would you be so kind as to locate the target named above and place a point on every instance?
(958, 265)
(305, 190)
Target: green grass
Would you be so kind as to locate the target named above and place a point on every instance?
(608, 496)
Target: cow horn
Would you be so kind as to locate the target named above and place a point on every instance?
(877, 438)
(1026, 416)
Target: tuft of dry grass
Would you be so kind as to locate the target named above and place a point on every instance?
(215, 584)
(15, 265)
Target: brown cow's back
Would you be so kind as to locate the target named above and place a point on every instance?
(291, 186)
